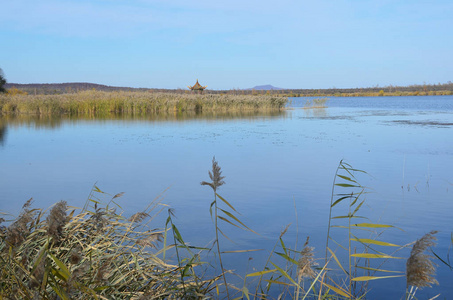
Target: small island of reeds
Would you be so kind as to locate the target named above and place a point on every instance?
(132, 102)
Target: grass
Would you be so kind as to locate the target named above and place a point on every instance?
(134, 103)
(97, 253)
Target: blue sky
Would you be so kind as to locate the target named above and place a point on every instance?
(227, 44)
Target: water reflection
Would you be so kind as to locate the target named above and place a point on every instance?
(53, 122)
(316, 112)
(3, 131)
(424, 123)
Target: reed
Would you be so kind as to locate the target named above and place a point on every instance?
(98, 253)
(316, 103)
(136, 103)
(221, 214)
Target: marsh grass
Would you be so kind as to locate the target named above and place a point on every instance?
(316, 103)
(103, 103)
(98, 253)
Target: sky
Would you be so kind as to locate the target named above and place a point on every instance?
(228, 44)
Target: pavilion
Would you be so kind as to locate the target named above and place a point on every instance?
(197, 87)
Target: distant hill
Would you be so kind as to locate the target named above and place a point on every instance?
(265, 87)
(58, 88)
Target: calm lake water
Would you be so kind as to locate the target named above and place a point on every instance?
(279, 170)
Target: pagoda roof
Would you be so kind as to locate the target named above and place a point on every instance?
(197, 86)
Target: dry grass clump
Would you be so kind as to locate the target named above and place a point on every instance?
(94, 254)
(99, 103)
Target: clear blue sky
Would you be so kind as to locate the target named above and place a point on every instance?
(227, 44)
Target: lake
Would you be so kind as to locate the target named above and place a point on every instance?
(279, 170)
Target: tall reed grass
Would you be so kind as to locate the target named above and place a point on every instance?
(97, 253)
(101, 103)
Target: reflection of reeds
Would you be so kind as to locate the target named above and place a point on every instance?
(56, 121)
(99, 103)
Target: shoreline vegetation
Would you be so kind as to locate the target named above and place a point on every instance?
(94, 102)
(97, 252)
(411, 90)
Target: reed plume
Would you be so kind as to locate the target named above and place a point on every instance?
(56, 220)
(99, 218)
(420, 270)
(151, 240)
(138, 217)
(20, 229)
(306, 262)
(215, 175)
(76, 255)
